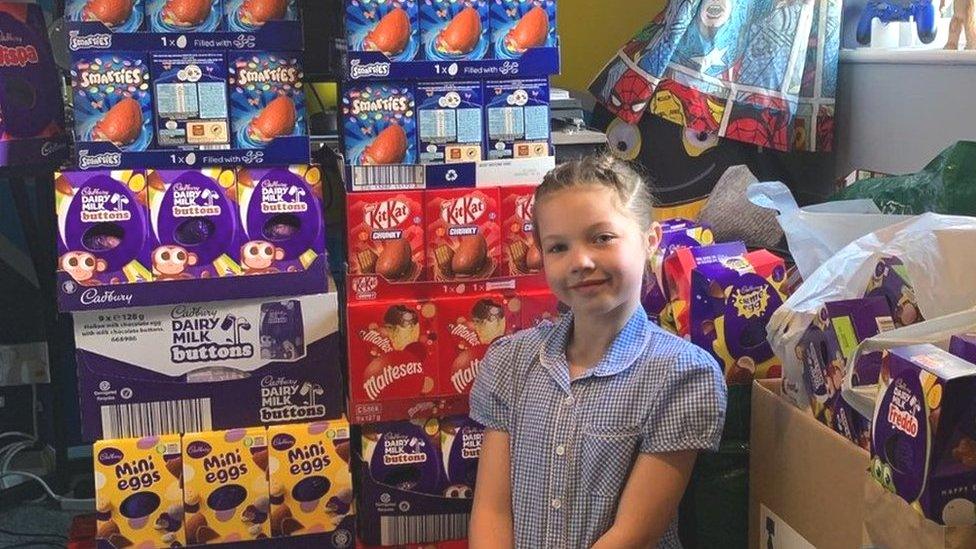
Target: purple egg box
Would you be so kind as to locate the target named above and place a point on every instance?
(461, 439)
(103, 228)
(282, 334)
(923, 436)
(281, 213)
(675, 234)
(194, 222)
(204, 369)
(964, 346)
(890, 280)
(850, 424)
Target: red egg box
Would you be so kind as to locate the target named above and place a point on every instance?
(463, 235)
(538, 306)
(386, 235)
(466, 326)
(520, 255)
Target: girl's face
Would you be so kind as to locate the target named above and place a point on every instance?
(594, 252)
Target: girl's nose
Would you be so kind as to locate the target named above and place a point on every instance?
(581, 260)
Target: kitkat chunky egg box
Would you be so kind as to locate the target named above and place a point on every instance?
(379, 124)
(520, 253)
(116, 15)
(386, 235)
(387, 26)
(251, 15)
(139, 492)
(267, 99)
(184, 15)
(923, 440)
(463, 234)
(519, 25)
(453, 30)
(112, 99)
(225, 486)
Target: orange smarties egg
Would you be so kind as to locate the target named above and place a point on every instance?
(110, 12)
(530, 32)
(389, 147)
(391, 34)
(121, 124)
(261, 11)
(461, 35)
(277, 118)
(187, 12)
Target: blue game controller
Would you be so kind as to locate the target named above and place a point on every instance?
(923, 11)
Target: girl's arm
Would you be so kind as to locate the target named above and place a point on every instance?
(491, 515)
(649, 500)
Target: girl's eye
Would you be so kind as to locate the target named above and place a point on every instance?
(605, 238)
(555, 248)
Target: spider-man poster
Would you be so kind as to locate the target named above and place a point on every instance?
(756, 71)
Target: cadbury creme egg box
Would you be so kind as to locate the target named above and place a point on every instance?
(194, 219)
(311, 483)
(387, 26)
(103, 228)
(112, 99)
(116, 15)
(452, 30)
(138, 492)
(404, 455)
(519, 25)
(675, 234)
(267, 98)
(379, 124)
(461, 439)
(225, 486)
(251, 15)
(184, 15)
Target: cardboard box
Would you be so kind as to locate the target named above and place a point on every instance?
(112, 99)
(677, 277)
(449, 121)
(379, 124)
(466, 326)
(520, 254)
(386, 235)
(463, 234)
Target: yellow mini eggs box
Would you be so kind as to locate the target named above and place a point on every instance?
(311, 484)
(225, 485)
(139, 500)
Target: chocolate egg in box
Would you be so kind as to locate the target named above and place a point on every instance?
(116, 15)
(379, 124)
(732, 300)
(466, 326)
(390, 27)
(677, 277)
(449, 121)
(675, 234)
(386, 234)
(405, 455)
(519, 25)
(453, 30)
(112, 99)
(891, 281)
(923, 438)
(463, 233)
(251, 15)
(184, 15)
(190, 98)
(267, 98)
(461, 439)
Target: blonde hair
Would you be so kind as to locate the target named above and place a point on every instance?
(608, 171)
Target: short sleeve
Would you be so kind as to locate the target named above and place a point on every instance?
(491, 394)
(689, 412)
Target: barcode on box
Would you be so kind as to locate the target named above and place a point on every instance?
(382, 178)
(422, 529)
(156, 418)
(885, 323)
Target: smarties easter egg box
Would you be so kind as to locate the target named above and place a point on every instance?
(449, 121)
(387, 26)
(267, 98)
(190, 100)
(112, 102)
(923, 440)
(519, 25)
(139, 492)
(201, 366)
(517, 118)
(429, 466)
(379, 124)
(453, 30)
(117, 16)
(251, 15)
(184, 15)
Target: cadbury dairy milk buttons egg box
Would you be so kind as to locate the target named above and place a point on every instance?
(453, 30)
(461, 439)
(112, 99)
(282, 336)
(281, 214)
(138, 492)
(449, 122)
(251, 15)
(379, 124)
(309, 474)
(923, 439)
(103, 228)
(225, 486)
(390, 27)
(517, 118)
(386, 235)
(731, 303)
(184, 15)
(195, 223)
(519, 25)
(463, 233)
(267, 98)
(405, 455)
(890, 280)
(116, 15)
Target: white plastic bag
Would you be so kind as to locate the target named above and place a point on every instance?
(815, 233)
(937, 252)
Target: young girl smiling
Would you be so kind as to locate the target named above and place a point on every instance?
(593, 423)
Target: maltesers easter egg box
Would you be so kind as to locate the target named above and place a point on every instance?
(923, 439)
(209, 365)
(379, 124)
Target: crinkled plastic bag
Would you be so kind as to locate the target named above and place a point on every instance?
(937, 253)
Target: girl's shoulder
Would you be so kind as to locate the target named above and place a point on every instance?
(523, 343)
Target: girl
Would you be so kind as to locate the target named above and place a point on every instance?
(592, 423)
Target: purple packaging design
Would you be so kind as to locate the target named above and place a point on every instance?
(103, 228)
(184, 15)
(267, 99)
(379, 124)
(282, 217)
(116, 16)
(198, 367)
(461, 439)
(190, 98)
(388, 26)
(518, 25)
(194, 220)
(251, 15)
(891, 281)
(923, 436)
(850, 424)
(449, 122)
(675, 234)
(113, 99)
(282, 336)
(964, 346)
(405, 455)
(452, 30)
(517, 118)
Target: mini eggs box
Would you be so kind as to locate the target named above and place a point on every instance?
(923, 439)
(103, 228)
(453, 30)
(517, 118)
(281, 214)
(195, 223)
(891, 281)
(732, 301)
(184, 15)
(116, 15)
(225, 486)
(379, 124)
(449, 121)
(267, 99)
(828, 344)
(675, 234)
(310, 478)
(518, 25)
(112, 99)
(251, 15)
(387, 26)
(138, 492)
